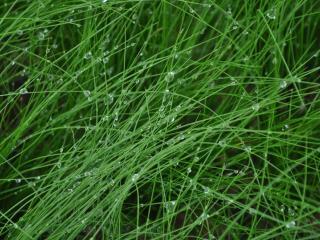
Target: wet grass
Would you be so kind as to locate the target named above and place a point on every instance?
(159, 119)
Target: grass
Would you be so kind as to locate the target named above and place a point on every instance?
(159, 119)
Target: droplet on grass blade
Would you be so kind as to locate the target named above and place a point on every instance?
(41, 36)
(19, 32)
(189, 170)
(255, 107)
(248, 149)
(169, 206)
(23, 91)
(271, 14)
(203, 217)
(283, 84)
(206, 190)
(181, 137)
(135, 178)
(87, 94)
(18, 180)
(290, 224)
(222, 143)
(252, 211)
(233, 81)
(169, 76)
(88, 55)
(285, 127)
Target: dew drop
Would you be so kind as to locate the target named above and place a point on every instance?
(203, 217)
(181, 137)
(41, 36)
(135, 178)
(110, 98)
(248, 149)
(255, 107)
(87, 94)
(23, 91)
(283, 84)
(233, 81)
(235, 25)
(189, 170)
(222, 143)
(271, 14)
(105, 60)
(285, 127)
(206, 190)
(169, 76)
(18, 180)
(88, 55)
(19, 32)
(252, 211)
(290, 224)
(169, 206)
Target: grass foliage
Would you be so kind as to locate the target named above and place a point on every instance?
(161, 119)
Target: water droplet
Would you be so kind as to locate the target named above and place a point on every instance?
(105, 60)
(161, 109)
(274, 61)
(18, 180)
(104, 1)
(235, 25)
(206, 190)
(41, 36)
(245, 32)
(189, 170)
(87, 94)
(283, 84)
(297, 79)
(37, 177)
(181, 137)
(135, 178)
(169, 206)
(222, 143)
(15, 226)
(291, 212)
(203, 217)
(19, 32)
(290, 224)
(88, 55)
(248, 149)
(271, 14)
(110, 98)
(23, 91)
(285, 127)
(31, 184)
(233, 81)
(255, 107)
(252, 211)
(169, 76)
(61, 150)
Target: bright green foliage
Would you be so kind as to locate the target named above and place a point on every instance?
(160, 119)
